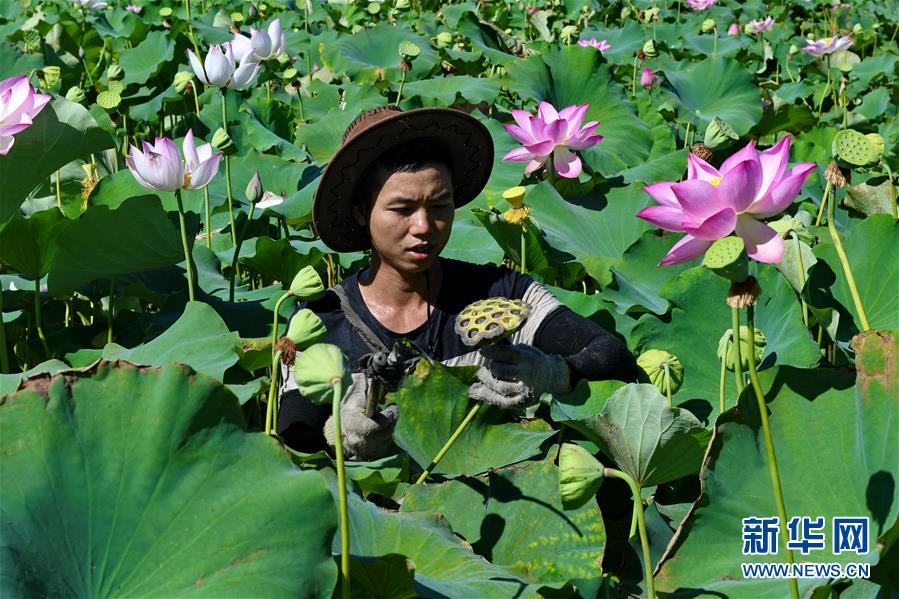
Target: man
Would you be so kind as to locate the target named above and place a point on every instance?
(393, 187)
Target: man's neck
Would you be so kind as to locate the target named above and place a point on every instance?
(385, 285)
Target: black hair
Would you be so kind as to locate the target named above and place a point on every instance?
(409, 157)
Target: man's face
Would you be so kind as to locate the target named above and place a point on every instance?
(411, 218)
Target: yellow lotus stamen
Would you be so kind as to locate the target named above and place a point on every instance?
(517, 216)
(186, 179)
(716, 181)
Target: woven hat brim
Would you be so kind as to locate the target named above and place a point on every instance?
(468, 144)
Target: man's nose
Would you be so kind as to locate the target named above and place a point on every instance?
(421, 222)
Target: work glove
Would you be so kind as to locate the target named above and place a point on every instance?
(364, 438)
(514, 376)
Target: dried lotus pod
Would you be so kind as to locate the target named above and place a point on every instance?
(491, 319)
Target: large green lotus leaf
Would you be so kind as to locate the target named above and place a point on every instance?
(434, 402)
(136, 237)
(624, 40)
(323, 136)
(585, 400)
(199, 339)
(373, 55)
(505, 173)
(29, 244)
(278, 259)
(62, 132)
(13, 62)
(817, 419)
(145, 59)
(470, 242)
(871, 248)
(269, 124)
(9, 382)
(444, 567)
(700, 317)
(507, 236)
(446, 89)
(873, 196)
(651, 441)
(716, 88)
(705, 45)
(496, 46)
(514, 518)
(639, 278)
(576, 75)
(140, 482)
(667, 167)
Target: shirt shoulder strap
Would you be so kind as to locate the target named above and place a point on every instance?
(373, 342)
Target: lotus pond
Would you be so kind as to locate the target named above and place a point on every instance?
(674, 171)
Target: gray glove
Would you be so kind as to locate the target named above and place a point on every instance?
(364, 438)
(514, 376)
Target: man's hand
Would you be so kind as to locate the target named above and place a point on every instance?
(363, 438)
(514, 376)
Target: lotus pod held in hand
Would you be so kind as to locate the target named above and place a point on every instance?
(663, 369)
(307, 284)
(317, 368)
(306, 328)
(580, 476)
(491, 319)
(726, 347)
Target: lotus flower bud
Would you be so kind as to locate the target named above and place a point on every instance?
(318, 368)
(734, 29)
(254, 190)
(182, 78)
(708, 25)
(648, 79)
(580, 476)
(222, 141)
(663, 369)
(306, 328)
(718, 134)
(650, 50)
(254, 12)
(726, 347)
(727, 258)
(75, 94)
(444, 39)
(307, 285)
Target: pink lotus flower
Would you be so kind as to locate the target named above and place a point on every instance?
(761, 26)
(828, 45)
(601, 45)
(714, 203)
(262, 44)
(19, 104)
(734, 29)
(134, 8)
(160, 167)
(700, 4)
(648, 79)
(554, 134)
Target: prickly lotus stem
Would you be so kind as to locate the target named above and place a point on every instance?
(318, 368)
(491, 319)
(743, 294)
(726, 347)
(307, 284)
(837, 175)
(580, 476)
(305, 329)
(664, 370)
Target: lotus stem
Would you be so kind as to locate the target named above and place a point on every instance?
(769, 446)
(738, 363)
(228, 173)
(667, 383)
(110, 314)
(58, 192)
(184, 245)
(399, 95)
(634, 87)
(722, 384)
(844, 262)
(524, 248)
(641, 526)
(715, 44)
(893, 208)
(4, 358)
(208, 218)
(337, 387)
(234, 258)
(37, 317)
(827, 189)
(798, 251)
(271, 410)
(468, 418)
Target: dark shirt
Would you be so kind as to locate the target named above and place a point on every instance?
(590, 351)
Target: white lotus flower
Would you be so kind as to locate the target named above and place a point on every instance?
(225, 66)
(96, 4)
(159, 165)
(262, 44)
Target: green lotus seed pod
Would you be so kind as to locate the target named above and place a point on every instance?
(515, 196)
(108, 100)
(51, 76)
(182, 78)
(222, 141)
(373, 7)
(877, 144)
(727, 258)
(857, 28)
(708, 25)
(237, 17)
(307, 285)
(116, 86)
(165, 11)
(318, 368)
(663, 369)
(718, 134)
(491, 319)
(580, 476)
(852, 149)
(726, 347)
(306, 329)
(33, 41)
(409, 50)
(444, 39)
(650, 50)
(75, 94)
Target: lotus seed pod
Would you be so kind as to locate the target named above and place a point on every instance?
(318, 368)
(51, 75)
(236, 17)
(113, 71)
(222, 141)
(877, 144)
(33, 41)
(108, 100)
(409, 51)
(663, 369)
(857, 28)
(515, 196)
(727, 258)
(851, 148)
(444, 39)
(718, 134)
(491, 319)
(708, 25)
(726, 347)
(650, 50)
(254, 190)
(580, 476)
(306, 328)
(165, 11)
(307, 285)
(116, 86)
(75, 94)
(182, 78)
